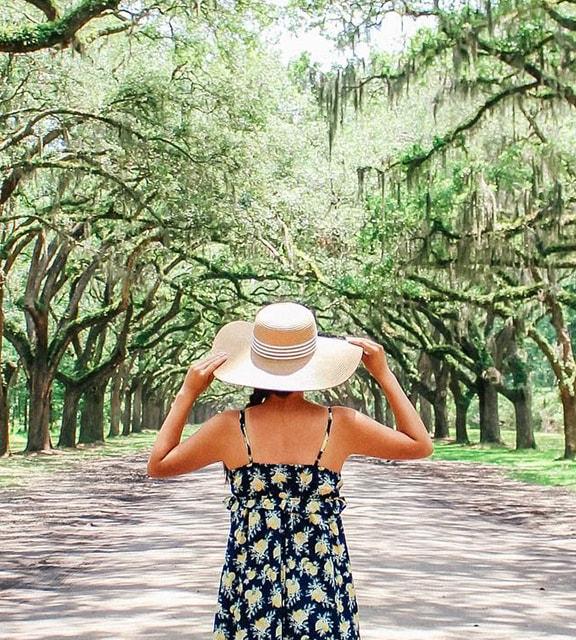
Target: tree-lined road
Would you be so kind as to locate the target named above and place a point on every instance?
(441, 551)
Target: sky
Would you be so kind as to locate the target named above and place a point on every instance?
(391, 37)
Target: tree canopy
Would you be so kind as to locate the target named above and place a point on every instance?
(162, 172)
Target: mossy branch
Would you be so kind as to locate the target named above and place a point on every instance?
(58, 31)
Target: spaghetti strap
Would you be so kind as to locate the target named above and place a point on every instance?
(245, 435)
(325, 441)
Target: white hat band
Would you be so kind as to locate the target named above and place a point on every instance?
(289, 352)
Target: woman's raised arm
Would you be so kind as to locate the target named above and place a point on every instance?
(369, 437)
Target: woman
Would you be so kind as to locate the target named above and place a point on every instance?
(287, 571)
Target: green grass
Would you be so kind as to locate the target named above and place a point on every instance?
(540, 466)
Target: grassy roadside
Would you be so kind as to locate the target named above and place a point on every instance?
(539, 466)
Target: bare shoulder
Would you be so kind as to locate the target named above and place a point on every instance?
(361, 434)
(219, 426)
(221, 423)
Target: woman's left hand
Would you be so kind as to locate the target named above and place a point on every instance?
(201, 373)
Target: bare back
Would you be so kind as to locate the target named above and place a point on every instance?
(290, 434)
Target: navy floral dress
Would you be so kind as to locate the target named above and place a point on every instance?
(286, 573)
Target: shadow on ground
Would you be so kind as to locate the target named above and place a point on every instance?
(440, 551)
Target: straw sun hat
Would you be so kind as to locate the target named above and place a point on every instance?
(282, 350)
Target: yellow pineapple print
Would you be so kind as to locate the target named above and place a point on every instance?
(267, 503)
(318, 594)
(254, 596)
(279, 477)
(273, 521)
(257, 484)
(253, 519)
(300, 538)
(315, 518)
(322, 626)
(260, 547)
(292, 587)
(321, 548)
(235, 611)
(271, 574)
(344, 626)
(277, 599)
(313, 506)
(262, 624)
(299, 616)
(325, 488)
(228, 579)
(309, 567)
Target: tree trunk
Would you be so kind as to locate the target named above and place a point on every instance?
(70, 416)
(4, 413)
(137, 408)
(115, 404)
(127, 412)
(425, 370)
(92, 415)
(510, 356)
(4, 420)
(426, 413)
(489, 418)
(461, 402)
(561, 359)
(157, 413)
(441, 376)
(9, 375)
(148, 406)
(378, 401)
(40, 388)
(569, 411)
(524, 423)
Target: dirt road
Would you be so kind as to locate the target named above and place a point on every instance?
(440, 551)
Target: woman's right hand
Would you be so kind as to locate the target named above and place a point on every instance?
(201, 373)
(374, 358)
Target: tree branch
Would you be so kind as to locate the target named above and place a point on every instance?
(58, 30)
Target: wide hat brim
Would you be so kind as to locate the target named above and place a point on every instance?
(332, 362)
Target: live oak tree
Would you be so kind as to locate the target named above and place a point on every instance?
(103, 164)
(486, 193)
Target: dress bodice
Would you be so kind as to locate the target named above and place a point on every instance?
(308, 488)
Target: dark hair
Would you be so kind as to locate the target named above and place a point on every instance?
(257, 397)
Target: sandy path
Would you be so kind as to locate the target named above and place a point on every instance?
(441, 551)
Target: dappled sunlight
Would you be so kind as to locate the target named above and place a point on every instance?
(439, 550)
(457, 551)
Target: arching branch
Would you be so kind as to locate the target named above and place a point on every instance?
(58, 31)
